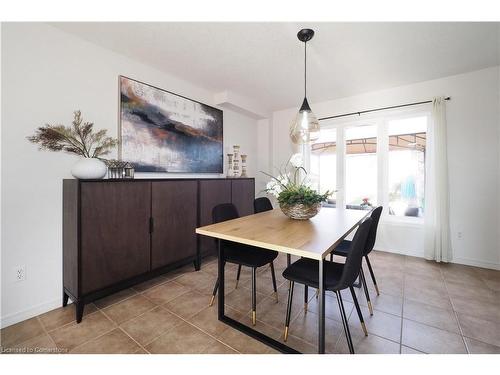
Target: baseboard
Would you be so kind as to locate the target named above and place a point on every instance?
(456, 260)
(401, 252)
(19, 316)
(476, 263)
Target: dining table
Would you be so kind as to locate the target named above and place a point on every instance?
(315, 239)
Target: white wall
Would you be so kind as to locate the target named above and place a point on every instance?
(47, 74)
(473, 156)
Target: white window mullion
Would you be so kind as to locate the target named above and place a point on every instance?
(382, 164)
(340, 149)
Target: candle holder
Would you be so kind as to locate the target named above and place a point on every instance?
(229, 165)
(243, 166)
(236, 166)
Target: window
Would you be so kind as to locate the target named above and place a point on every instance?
(323, 163)
(360, 166)
(407, 141)
(380, 161)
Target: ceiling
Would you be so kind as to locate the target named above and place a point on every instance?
(264, 61)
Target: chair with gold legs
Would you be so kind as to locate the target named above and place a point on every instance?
(243, 255)
(338, 277)
(343, 250)
(261, 204)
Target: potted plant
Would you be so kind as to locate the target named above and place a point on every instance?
(78, 139)
(297, 199)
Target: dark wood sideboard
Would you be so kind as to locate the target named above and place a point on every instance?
(117, 233)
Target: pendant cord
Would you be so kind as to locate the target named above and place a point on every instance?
(305, 69)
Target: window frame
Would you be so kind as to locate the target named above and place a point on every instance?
(381, 121)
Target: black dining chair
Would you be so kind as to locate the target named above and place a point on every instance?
(262, 204)
(343, 250)
(259, 205)
(338, 276)
(243, 255)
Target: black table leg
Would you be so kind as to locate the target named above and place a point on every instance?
(321, 312)
(278, 345)
(221, 295)
(288, 259)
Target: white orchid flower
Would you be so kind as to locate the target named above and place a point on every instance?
(297, 160)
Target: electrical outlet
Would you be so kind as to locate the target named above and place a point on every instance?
(20, 273)
(460, 235)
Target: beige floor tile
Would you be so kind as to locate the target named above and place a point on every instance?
(199, 281)
(430, 315)
(490, 277)
(431, 340)
(383, 302)
(64, 315)
(470, 291)
(332, 310)
(300, 345)
(416, 262)
(115, 298)
(150, 283)
(182, 339)
(493, 284)
(219, 348)
(480, 329)
(73, 335)
(417, 281)
(207, 320)
(243, 343)
(380, 323)
(477, 306)
(386, 258)
(39, 345)
(165, 292)
(387, 284)
(241, 299)
(305, 327)
(271, 313)
(298, 294)
(264, 285)
(462, 275)
(478, 347)
(150, 325)
(114, 342)
(188, 304)
(128, 308)
(148, 313)
(407, 350)
(486, 273)
(370, 344)
(423, 270)
(434, 297)
(21, 332)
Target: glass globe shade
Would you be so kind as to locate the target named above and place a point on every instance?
(305, 128)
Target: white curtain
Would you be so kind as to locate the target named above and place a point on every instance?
(437, 228)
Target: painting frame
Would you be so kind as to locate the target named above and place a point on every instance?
(220, 155)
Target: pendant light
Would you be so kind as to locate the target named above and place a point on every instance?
(305, 127)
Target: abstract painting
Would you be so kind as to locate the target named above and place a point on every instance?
(164, 132)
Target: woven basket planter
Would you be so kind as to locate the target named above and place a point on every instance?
(300, 211)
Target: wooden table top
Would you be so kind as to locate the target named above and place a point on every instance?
(313, 238)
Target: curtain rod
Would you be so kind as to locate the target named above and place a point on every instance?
(378, 109)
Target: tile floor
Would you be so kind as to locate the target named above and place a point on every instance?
(423, 307)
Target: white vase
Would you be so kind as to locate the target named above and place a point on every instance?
(89, 168)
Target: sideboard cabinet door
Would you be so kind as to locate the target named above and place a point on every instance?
(243, 195)
(115, 238)
(212, 193)
(174, 211)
